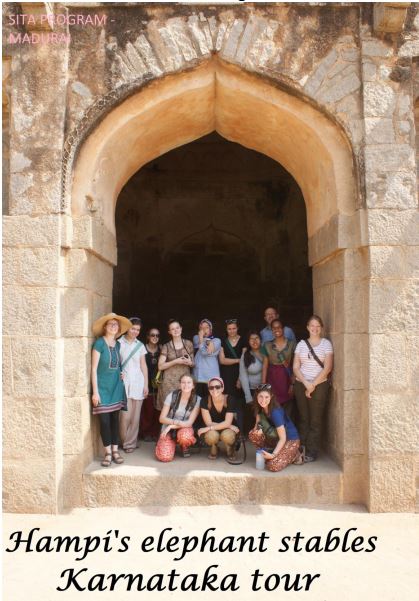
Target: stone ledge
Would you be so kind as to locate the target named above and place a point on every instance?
(195, 482)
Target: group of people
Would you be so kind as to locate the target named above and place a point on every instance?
(266, 387)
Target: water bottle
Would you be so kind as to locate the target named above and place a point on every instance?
(260, 459)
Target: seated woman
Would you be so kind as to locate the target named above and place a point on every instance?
(218, 411)
(277, 365)
(251, 365)
(274, 429)
(180, 410)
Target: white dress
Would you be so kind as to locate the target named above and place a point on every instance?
(133, 376)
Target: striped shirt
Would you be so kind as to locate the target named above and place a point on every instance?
(308, 365)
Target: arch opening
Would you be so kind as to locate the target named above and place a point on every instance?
(217, 97)
(212, 229)
(242, 108)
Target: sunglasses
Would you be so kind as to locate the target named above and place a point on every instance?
(264, 387)
(215, 387)
(230, 321)
(154, 335)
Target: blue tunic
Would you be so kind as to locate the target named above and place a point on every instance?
(110, 386)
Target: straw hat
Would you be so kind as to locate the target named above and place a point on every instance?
(124, 324)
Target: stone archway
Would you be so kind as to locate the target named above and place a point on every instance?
(259, 115)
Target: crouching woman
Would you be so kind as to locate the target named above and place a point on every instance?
(218, 413)
(179, 412)
(274, 430)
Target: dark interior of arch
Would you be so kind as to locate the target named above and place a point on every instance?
(212, 229)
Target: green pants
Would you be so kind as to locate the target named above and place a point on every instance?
(311, 415)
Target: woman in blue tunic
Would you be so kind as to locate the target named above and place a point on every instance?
(108, 393)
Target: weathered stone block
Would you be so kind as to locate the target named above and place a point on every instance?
(387, 363)
(11, 265)
(23, 230)
(389, 157)
(369, 70)
(394, 420)
(329, 272)
(355, 422)
(375, 47)
(24, 426)
(34, 366)
(355, 363)
(73, 466)
(392, 483)
(76, 424)
(389, 227)
(387, 261)
(356, 264)
(77, 269)
(355, 479)
(30, 309)
(101, 306)
(393, 306)
(341, 88)
(352, 313)
(391, 190)
(413, 359)
(379, 99)
(76, 367)
(7, 366)
(379, 130)
(39, 266)
(100, 276)
(75, 306)
(29, 487)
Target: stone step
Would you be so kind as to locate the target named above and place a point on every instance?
(142, 480)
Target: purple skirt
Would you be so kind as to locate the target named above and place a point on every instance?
(278, 377)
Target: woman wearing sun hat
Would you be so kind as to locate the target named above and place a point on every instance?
(108, 393)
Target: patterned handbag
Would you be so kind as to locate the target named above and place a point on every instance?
(165, 449)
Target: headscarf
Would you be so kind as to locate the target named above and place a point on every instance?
(207, 321)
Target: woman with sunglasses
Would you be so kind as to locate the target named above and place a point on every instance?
(217, 411)
(274, 430)
(149, 422)
(250, 374)
(277, 365)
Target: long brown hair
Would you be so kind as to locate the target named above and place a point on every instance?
(272, 403)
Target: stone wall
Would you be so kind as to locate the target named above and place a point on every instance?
(328, 92)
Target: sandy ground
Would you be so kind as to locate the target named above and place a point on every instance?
(390, 572)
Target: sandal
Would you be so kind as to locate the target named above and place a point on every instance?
(107, 460)
(116, 458)
(299, 460)
(129, 450)
(186, 452)
(211, 456)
